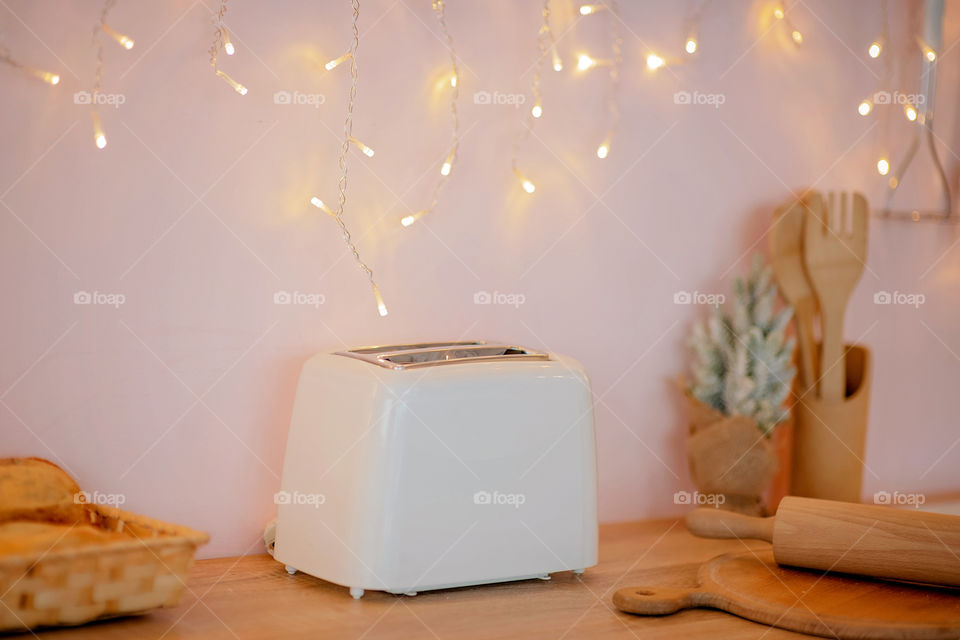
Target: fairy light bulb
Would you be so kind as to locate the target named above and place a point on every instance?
(453, 80)
(654, 61)
(778, 13)
(447, 165)
(333, 64)
(99, 138)
(409, 219)
(585, 62)
(797, 36)
(590, 9)
(883, 166)
(865, 107)
(557, 62)
(910, 112)
(367, 151)
(320, 204)
(121, 39)
(537, 110)
(381, 306)
(690, 46)
(228, 47)
(929, 54)
(528, 186)
(603, 150)
(47, 76)
(874, 50)
(239, 88)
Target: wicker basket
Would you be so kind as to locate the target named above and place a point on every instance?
(73, 586)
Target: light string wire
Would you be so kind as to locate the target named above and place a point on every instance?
(221, 40)
(883, 165)
(544, 40)
(439, 8)
(100, 28)
(613, 85)
(342, 161)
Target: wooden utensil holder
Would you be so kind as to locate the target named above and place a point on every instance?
(829, 437)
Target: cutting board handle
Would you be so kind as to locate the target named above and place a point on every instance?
(656, 601)
(717, 523)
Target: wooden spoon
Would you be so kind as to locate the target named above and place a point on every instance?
(786, 249)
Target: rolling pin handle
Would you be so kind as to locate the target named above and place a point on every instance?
(717, 523)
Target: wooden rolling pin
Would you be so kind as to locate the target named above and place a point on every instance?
(877, 541)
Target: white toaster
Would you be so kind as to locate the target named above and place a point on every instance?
(428, 466)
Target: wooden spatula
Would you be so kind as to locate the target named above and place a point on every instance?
(870, 540)
(786, 252)
(834, 255)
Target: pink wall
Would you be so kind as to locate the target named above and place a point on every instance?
(180, 398)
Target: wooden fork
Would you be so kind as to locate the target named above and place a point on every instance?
(834, 255)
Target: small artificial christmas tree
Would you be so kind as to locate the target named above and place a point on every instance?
(743, 362)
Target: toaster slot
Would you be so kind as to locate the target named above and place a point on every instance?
(433, 354)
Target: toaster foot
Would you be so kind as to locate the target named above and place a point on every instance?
(290, 570)
(578, 572)
(410, 593)
(545, 576)
(356, 592)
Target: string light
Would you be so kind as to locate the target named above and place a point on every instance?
(342, 158)
(585, 62)
(865, 107)
(367, 151)
(47, 76)
(99, 137)
(544, 41)
(590, 9)
(319, 204)
(121, 39)
(439, 9)
(613, 83)
(336, 62)
(875, 48)
(228, 47)
(781, 15)
(655, 62)
(221, 40)
(910, 112)
(928, 53)
(883, 166)
(692, 28)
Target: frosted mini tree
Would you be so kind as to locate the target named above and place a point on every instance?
(743, 362)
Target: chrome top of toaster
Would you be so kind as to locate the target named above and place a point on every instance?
(428, 354)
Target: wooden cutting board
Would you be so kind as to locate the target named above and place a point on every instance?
(752, 585)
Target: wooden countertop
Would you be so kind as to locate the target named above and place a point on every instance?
(253, 597)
